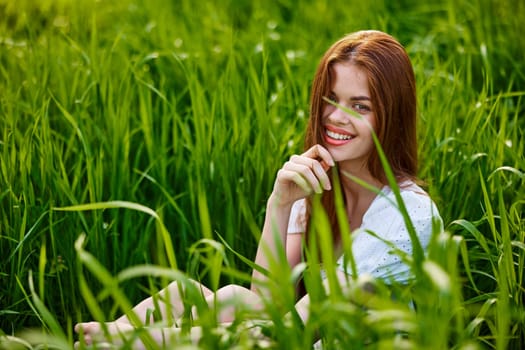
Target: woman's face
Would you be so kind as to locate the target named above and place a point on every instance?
(347, 137)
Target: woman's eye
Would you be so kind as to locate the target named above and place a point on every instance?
(361, 107)
(332, 97)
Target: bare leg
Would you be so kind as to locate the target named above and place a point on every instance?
(93, 331)
(228, 301)
(124, 333)
(303, 308)
(171, 294)
(232, 299)
(303, 305)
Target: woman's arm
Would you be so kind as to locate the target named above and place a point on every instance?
(298, 178)
(274, 234)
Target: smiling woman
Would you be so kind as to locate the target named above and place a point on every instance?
(370, 73)
(353, 73)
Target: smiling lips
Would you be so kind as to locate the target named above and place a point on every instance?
(336, 137)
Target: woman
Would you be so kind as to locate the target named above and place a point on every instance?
(369, 73)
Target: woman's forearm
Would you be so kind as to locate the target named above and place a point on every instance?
(273, 238)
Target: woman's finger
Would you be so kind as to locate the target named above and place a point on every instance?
(319, 152)
(284, 176)
(317, 169)
(320, 172)
(306, 172)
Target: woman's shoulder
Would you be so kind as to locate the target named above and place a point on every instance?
(385, 217)
(415, 199)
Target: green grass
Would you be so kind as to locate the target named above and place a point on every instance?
(187, 109)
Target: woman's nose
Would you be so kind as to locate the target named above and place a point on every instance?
(338, 116)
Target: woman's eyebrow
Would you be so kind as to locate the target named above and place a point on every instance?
(353, 98)
(359, 98)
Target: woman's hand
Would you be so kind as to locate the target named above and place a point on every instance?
(303, 175)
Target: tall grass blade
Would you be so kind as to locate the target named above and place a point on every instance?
(133, 206)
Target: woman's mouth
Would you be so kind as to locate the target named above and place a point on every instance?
(336, 137)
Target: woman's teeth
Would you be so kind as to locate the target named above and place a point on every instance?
(337, 136)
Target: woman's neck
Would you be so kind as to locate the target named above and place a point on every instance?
(349, 171)
(358, 197)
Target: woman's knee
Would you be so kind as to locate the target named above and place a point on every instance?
(232, 299)
(179, 287)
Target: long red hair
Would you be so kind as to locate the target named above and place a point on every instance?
(392, 88)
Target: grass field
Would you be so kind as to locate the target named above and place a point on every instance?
(161, 124)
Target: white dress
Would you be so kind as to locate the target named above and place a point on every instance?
(372, 255)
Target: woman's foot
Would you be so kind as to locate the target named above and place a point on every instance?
(94, 332)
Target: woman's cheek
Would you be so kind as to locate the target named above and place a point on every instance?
(329, 109)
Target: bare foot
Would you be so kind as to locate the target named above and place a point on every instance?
(94, 332)
(117, 334)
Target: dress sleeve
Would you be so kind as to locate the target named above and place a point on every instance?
(297, 221)
(375, 257)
